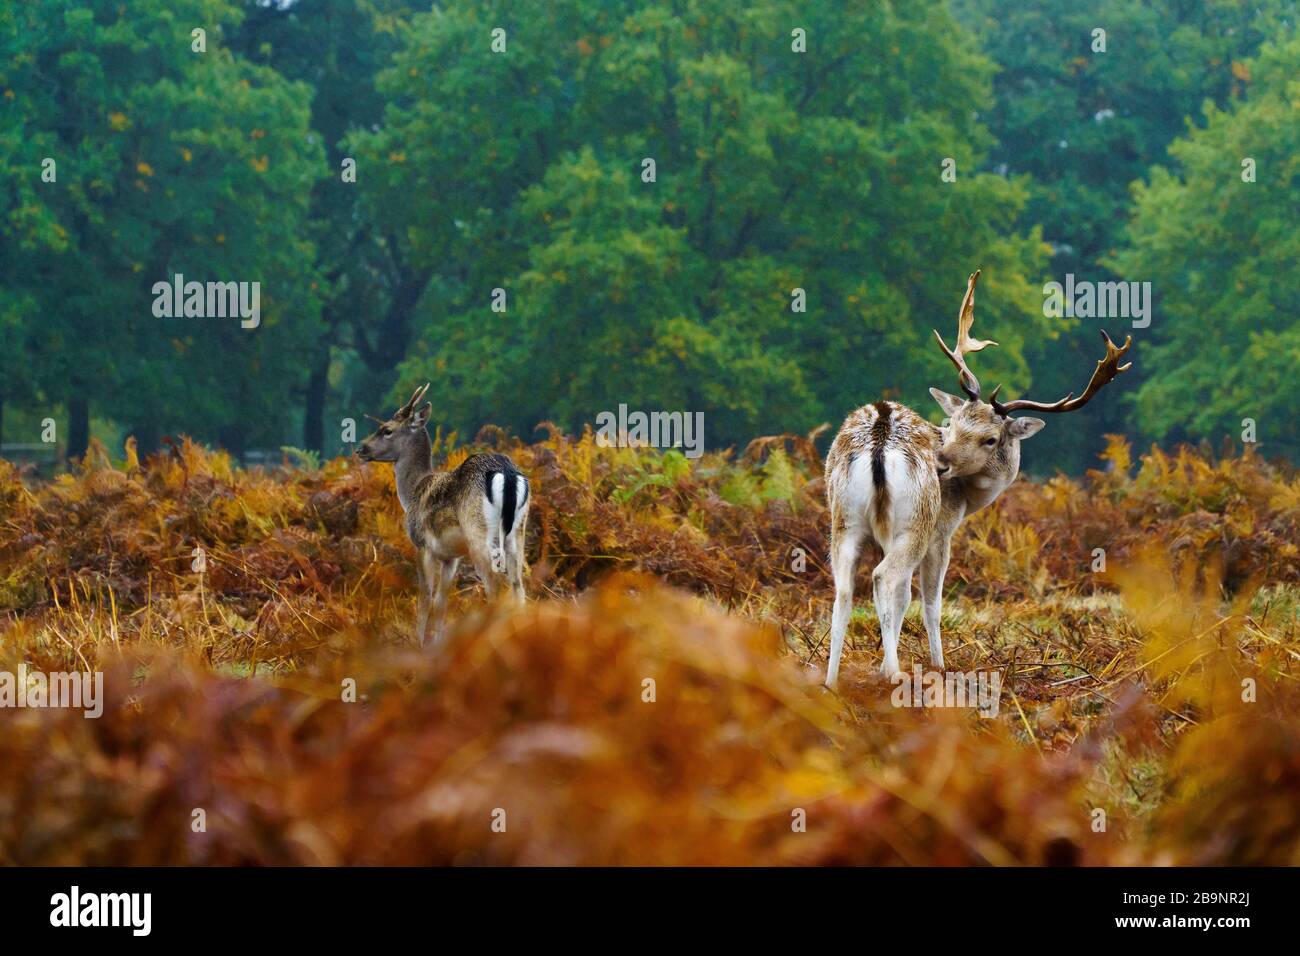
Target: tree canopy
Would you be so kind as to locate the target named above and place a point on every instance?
(754, 211)
(672, 285)
(162, 159)
(1219, 240)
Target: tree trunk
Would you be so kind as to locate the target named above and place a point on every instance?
(231, 438)
(313, 418)
(78, 427)
(148, 438)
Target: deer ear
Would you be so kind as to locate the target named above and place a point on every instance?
(420, 415)
(1024, 427)
(949, 403)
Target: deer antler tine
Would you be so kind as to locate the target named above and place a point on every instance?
(409, 407)
(1105, 372)
(965, 319)
(1118, 351)
(968, 382)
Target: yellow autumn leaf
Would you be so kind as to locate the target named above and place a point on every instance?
(261, 163)
(143, 168)
(805, 782)
(118, 121)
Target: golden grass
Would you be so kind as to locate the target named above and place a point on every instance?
(1122, 691)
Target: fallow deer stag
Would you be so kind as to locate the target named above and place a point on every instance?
(478, 511)
(908, 484)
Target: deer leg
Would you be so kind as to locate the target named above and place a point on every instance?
(892, 586)
(902, 598)
(515, 560)
(845, 548)
(514, 576)
(884, 582)
(428, 572)
(933, 568)
(481, 558)
(446, 576)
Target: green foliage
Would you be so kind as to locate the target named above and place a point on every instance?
(776, 479)
(1084, 123)
(650, 470)
(337, 48)
(308, 460)
(774, 171)
(1080, 126)
(741, 488)
(1221, 255)
(675, 464)
(523, 171)
(780, 481)
(168, 161)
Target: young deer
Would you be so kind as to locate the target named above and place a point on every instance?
(479, 510)
(908, 484)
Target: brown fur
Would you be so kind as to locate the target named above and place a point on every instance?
(872, 431)
(445, 514)
(907, 509)
(944, 475)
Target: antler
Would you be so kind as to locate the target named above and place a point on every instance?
(1103, 375)
(409, 407)
(965, 377)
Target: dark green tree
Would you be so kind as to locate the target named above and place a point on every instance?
(774, 170)
(337, 47)
(1084, 123)
(1218, 240)
(168, 159)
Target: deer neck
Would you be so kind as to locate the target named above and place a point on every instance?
(414, 465)
(983, 488)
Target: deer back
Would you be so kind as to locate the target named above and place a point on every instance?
(860, 484)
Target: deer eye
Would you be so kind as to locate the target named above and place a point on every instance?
(990, 442)
(385, 431)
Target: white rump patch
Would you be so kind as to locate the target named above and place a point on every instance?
(492, 517)
(858, 493)
(521, 501)
(902, 486)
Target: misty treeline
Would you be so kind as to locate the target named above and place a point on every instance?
(752, 210)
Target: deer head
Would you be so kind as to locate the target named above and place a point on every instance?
(392, 438)
(981, 431)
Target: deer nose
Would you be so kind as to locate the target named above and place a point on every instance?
(942, 467)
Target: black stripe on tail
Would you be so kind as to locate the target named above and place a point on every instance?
(879, 436)
(509, 496)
